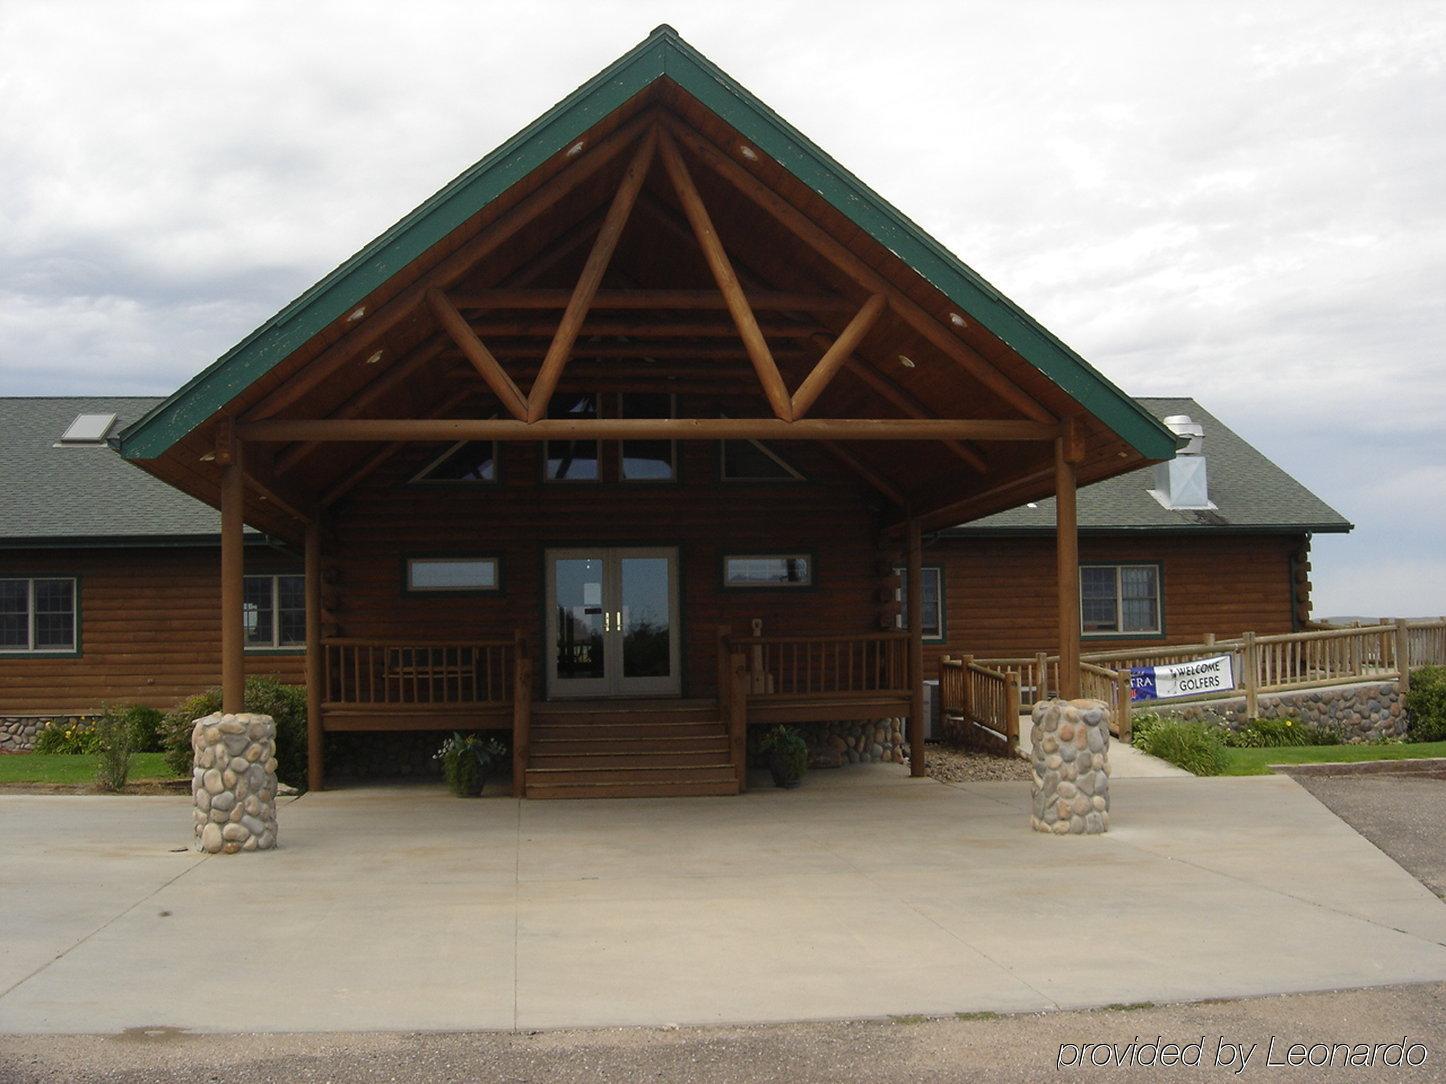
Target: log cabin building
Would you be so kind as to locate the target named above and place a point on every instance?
(621, 444)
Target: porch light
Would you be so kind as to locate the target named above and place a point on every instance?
(748, 152)
(957, 320)
(906, 361)
(356, 314)
(1031, 504)
(209, 457)
(576, 148)
(376, 357)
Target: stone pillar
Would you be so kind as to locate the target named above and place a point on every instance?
(1071, 752)
(233, 782)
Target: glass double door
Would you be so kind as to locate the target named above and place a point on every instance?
(612, 622)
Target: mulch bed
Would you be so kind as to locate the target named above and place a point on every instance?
(950, 765)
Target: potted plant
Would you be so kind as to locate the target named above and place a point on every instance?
(787, 755)
(467, 761)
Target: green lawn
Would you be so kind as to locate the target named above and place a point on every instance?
(75, 769)
(1258, 761)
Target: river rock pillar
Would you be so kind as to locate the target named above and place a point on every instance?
(1071, 754)
(233, 782)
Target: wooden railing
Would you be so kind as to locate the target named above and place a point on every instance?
(1426, 642)
(1113, 687)
(811, 667)
(365, 672)
(979, 705)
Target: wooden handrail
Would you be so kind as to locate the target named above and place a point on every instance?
(748, 641)
(392, 641)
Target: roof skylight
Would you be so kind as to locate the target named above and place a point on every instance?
(88, 429)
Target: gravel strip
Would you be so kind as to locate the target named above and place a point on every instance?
(950, 765)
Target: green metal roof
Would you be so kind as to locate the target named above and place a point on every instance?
(662, 54)
(1250, 493)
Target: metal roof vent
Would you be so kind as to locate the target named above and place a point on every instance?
(1182, 482)
(87, 429)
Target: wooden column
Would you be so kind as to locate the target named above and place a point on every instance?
(315, 768)
(233, 570)
(1067, 563)
(521, 717)
(915, 591)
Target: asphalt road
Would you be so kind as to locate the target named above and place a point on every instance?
(1010, 1048)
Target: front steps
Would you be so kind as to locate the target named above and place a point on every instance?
(644, 749)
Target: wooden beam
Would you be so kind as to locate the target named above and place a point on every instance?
(843, 455)
(373, 462)
(487, 366)
(233, 571)
(913, 407)
(634, 328)
(315, 664)
(914, 590)
(851, 265)
(591, 278)
(1067, 565)
(391, 313)
(833, 359)
(637, 350)
(629, 300)
(697, 214)
(444, 429)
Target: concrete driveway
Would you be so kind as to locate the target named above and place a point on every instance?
(864, 893)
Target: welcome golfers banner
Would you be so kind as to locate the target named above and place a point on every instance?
(1182, 679)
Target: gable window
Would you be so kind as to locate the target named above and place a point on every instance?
(38, 615)
(647, 460)
(466, 461)
(275, 611)
(572, 460)
(768, 570)
(1120, 600)
(933, 601)
(751, 461)
(452, 574)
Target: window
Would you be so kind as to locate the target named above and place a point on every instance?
(452, 574)
(572, 460)
(646, 460)
(768, 570)
(933, 601)
(467, 461)
(750, 461)
(1120, 600)
(38, 614)
(275, 611)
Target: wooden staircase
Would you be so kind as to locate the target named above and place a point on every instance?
(636, 749)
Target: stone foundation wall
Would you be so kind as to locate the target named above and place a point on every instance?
(17, 732)
(832, 745)
(1363, 712)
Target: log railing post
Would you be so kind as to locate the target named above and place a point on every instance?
(1011, 708)
(966, 697)
(1041, 680)
(521, 717)
(315, 660)
(738, 716)
(1403, 654)
(1251, 677)
(1122, 683)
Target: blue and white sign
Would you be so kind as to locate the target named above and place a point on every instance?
(1196, 678)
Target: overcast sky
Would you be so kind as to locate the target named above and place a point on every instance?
(1242, 202)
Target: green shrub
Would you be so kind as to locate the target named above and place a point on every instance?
(1280, 733)
(1199, 748)
(787, 754)
(468, 760)
(66, 738)
(145, 726)
(1426, 705)
(264, 696)
(114, 737)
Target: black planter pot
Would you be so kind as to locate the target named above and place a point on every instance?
(782, 769)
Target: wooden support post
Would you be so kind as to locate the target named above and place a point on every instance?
(917, 755)
(233, 570)
(725, 682)
(738, 715)
(1251, 678)
(1067, 563)
(1403, 654)
(1011, 709)
(1122, 682)
(315, 766)
(521, 716)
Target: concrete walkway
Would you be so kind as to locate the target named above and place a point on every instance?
(1126, 762)
(863, 893)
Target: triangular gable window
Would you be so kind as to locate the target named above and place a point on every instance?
(751, 461)
(473, 461)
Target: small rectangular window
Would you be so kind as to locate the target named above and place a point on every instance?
(274, 611)
(1121, 600)
(38, 614)
(768, 570)
(933, 601)
(452, 574)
